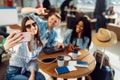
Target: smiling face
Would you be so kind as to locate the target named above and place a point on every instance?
(79, 27)
(53, 21)
(31, 27)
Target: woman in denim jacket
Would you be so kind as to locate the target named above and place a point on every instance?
(47, 34)
(80, 36)
(22, 64)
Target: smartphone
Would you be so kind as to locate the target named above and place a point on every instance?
(26, 36)
(48, 60)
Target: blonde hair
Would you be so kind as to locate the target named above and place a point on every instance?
(57, 15)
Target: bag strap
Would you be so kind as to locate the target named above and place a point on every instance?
(112, 72)
(103, 57)
(101, 64)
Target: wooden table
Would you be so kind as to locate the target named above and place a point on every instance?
(49, 68)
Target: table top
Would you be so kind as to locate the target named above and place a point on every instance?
(113, 25)
(81, 71)
(111, 16)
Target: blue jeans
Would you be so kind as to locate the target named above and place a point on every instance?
(14, 73)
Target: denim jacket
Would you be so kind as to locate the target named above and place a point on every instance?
(79, 41)
(43, 26)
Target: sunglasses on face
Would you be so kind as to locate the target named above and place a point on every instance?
(29, 25)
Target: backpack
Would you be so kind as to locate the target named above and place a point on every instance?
(103, 70)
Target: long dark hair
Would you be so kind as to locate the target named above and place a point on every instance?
(23, 29)
(86, 30)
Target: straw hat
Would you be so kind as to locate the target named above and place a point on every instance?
(104, 38)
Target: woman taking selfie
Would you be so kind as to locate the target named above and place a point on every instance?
(22, 64)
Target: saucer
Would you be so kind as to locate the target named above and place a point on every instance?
(70, 54)
(67, 58)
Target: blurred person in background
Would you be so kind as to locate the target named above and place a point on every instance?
(46, 4)
(65, 5)
(99, 13)
(3, 31)
(110, 11)
(39, 4)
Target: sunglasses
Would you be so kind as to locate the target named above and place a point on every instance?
(29, 25)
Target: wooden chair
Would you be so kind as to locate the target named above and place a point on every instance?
(15, 26)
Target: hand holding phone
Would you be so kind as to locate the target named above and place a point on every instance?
(26, 36)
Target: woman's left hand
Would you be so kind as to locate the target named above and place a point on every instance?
(70, 47)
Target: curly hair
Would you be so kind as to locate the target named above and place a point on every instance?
(86, 30)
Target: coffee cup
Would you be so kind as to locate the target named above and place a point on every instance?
(75, 54)
(60, 61)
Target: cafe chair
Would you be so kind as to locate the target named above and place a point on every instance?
(4, 61)
(1, 38)
(15, 26)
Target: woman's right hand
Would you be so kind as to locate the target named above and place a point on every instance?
(70, 47)
(12, 40)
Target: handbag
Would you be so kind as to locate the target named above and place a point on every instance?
(106, 72)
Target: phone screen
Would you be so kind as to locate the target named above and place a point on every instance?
(27, 36)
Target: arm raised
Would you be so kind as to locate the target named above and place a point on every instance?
(39, 11)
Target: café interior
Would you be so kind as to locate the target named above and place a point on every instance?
(81, 8)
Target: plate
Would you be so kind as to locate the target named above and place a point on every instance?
(67, 58)
(70, 54)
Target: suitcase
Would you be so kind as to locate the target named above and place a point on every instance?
(105, 73)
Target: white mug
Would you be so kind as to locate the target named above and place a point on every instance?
(60, 61)
(75, 54)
